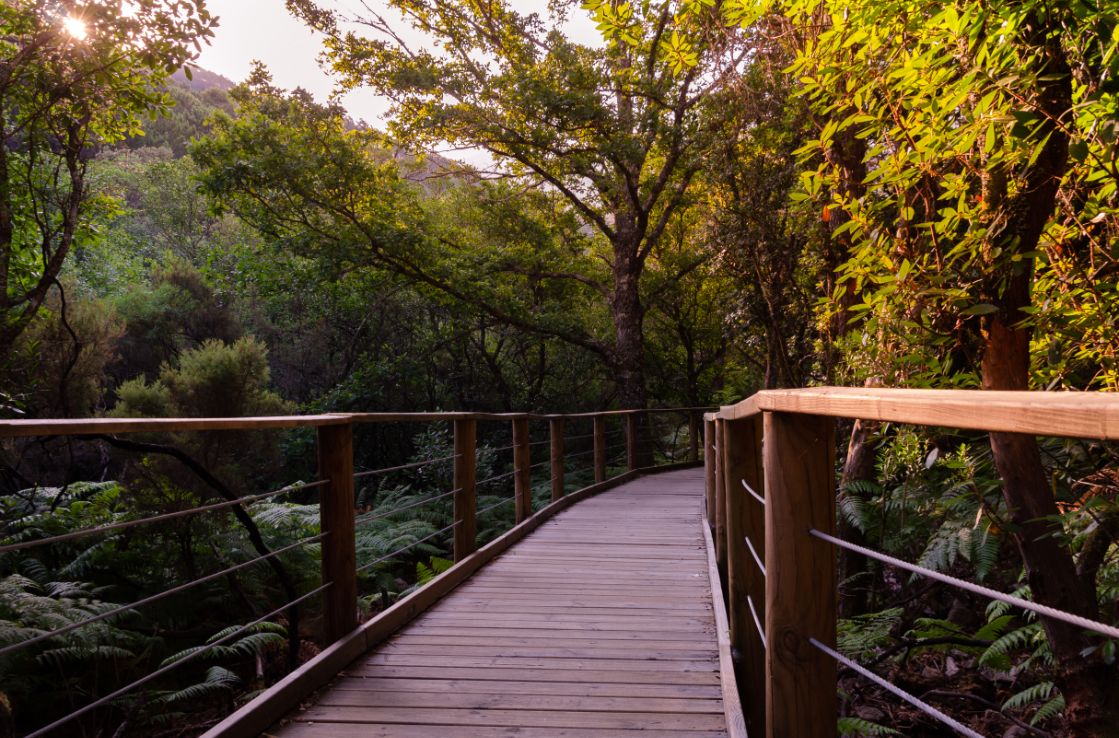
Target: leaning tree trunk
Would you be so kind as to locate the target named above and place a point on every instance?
(1089, 687)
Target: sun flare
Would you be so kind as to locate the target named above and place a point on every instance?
(75, 27)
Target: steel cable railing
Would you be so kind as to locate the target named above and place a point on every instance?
(20, 645)
(898, 691)
(403, 467)
(793, 449)
(1043, 610)
(504, 501)
(123, 525)
(374, 515)
(401, 550)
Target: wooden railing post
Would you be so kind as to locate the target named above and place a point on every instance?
(465, 497)
(745, 518)
(337, 507)
(800, 587)
(709, 470)
(694, 419)
(555, 432)
(632, 441)
(522, 470)
(720, 534)
(599, 448)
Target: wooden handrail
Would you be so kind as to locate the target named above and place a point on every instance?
(22, 428)
(796, 582)
(1065, 414)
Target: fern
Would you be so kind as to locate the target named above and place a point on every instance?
(1050, 709)
(861, 636)
(425, 573)
(853, 727)
(257, 640)
(1028, 696)
(1031, 636)
(219, 682)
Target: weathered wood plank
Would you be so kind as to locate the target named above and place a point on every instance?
(800, 680)
(366, 730)
(520, 718)
(581, 689)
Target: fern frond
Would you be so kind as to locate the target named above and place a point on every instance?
(853, 727)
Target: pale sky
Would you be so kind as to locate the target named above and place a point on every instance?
(263, 30)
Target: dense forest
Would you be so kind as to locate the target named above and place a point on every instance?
(716, 198)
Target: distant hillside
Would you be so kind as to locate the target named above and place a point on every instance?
(203, 79)
(195, 100)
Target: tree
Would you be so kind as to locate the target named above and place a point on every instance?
(989, 133)
(74, 75)
(614, 131)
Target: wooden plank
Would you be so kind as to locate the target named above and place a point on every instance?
(599, 448)
(551, 634)
(465, 497)
(95, 426)
(709, 472)
(579, 688)
(522, 470)
(520, 718)
(732, 708)
(800, 680)
(542, 662)
(745, 580)
(368, 730)
(633, 442)
(720, 532)
(497, 700)
(529, 674)
(336, 521)
(695, 420)
(555, 436)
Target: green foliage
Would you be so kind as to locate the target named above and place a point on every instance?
(251, 642)
(214, 380)
(854, 727)
(61, 95)
(862, 636)
(435, 566)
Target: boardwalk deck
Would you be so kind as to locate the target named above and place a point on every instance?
(599, 624)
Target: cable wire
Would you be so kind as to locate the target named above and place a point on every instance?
(754, 553)
(757, 621)
(1044, 610)
(156, 597)
(750, 489)
(413, 465)
(496, 477)
(157, 518)
(920, 704)
(505, 501)
(369, 517)
(399, 551)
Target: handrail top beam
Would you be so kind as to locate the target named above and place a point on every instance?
(98, 426)
(1065, 414)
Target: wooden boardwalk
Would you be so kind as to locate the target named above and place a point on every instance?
(599, 624)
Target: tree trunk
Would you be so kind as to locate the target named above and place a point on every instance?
(628, 315)
(1091, 692)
